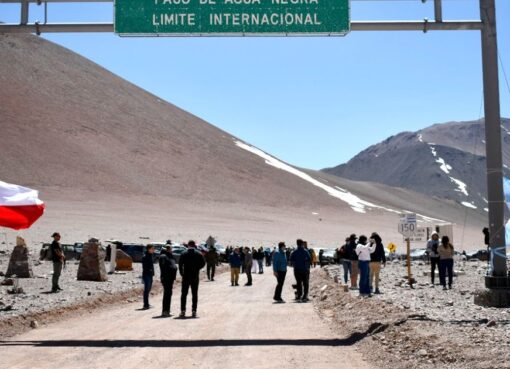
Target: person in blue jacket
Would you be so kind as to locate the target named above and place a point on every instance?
(279, 271)
(235, 266)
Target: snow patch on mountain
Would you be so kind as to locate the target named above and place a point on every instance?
(468, 205)
(462, 187)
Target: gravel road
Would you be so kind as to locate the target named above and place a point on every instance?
(237, 327)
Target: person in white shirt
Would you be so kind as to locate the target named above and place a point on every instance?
(363, 250)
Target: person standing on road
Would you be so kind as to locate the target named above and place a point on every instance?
(211, 257)
(58, 259)
(190, 264)
(363, 251)
(376, 259)
(147, 275)
(248, 264)
(353, 257)
(344, 260)
(260, 260)
(235, 266)
(279, 271)
(300, 260)
(446, 252)
(313, 256)
(168, 269)
(432, 245)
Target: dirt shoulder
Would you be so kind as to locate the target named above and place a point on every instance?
(416, 328)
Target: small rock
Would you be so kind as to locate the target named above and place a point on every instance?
(34, 324)
(89, 293)
(422, 352)
(449, 303)
(7, 282)
(324, 297)
(323, 288)
(491, 323)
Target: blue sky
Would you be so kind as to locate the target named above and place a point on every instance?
(313, 102)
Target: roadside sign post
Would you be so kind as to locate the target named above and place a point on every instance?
(407, 227)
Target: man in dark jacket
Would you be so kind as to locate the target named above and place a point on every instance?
(353, 257)
(235, 266)
(168, 269)
(58, 258)
(190, 264)
(211, 258)
(147, 275)
(279, 271)
(300, 259)
(377, 258)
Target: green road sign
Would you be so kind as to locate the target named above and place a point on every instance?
(231, 17)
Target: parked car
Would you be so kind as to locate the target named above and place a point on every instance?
(222, 252)
(158, 246)
(78, 247)
(135, 250)
(328, 257)
(482, 255)
(419, 254)
(177, 251)
(69, 252)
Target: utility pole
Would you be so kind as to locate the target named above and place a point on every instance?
(497, 281)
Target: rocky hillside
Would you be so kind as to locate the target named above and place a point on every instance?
(445, 161)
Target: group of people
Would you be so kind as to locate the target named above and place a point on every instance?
(257, 257)
(362, 257)
(300, 258)
(189, 266)
(441, 255)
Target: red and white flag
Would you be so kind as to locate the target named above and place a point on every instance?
(20, 206)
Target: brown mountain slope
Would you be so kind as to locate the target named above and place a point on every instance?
(69, 123)
(112, 160)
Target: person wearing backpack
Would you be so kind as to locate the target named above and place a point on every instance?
(168, 269)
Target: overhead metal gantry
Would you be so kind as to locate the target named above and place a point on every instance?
(498, 281)
(43, 27)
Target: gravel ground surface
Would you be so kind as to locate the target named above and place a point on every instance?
(423, 327)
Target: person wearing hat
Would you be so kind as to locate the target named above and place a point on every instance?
(190, 264)
(432, 245)
(58, 258)
(353, 257)
(279, 271)
(168, 269)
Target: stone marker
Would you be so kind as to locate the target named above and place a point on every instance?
(92, 266)
(19, 264)
(124, 261)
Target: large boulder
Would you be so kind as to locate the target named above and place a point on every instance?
(92, 266)
(19, 264)
(123, 261)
